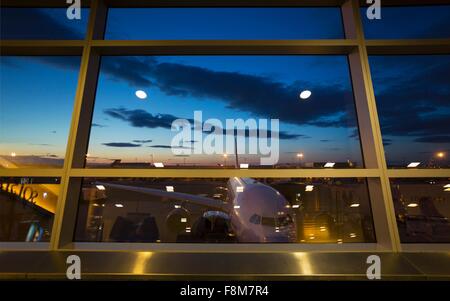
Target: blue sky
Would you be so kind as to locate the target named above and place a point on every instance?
(37, 92)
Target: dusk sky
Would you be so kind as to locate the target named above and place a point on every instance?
(37, 92)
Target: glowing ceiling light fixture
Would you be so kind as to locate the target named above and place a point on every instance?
(413, 164)
(170, 189)
(188, 229)
(240, 189)
(118, 205)
(237, 206)
(309, 188)
(177, 206)
(447, 186)
(243, 165)
(295, 206)
(412, 205)
(352, 235)
(447, 189)
(100, 187)
(141, 94)
(305, 94)
(183, 220)
(354, 205)
(329, 164)
(158, 165)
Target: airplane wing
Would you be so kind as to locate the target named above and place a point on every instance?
(185, 197)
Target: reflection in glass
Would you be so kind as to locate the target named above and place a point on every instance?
(41, 23)
(27, 208)
(401, 22)
(422, 208)
(413, 97)
(139, 98)
(234, 210)
(36, 98)
(224, 23)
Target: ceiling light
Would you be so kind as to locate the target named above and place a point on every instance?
(413, 205)
(413, 164)
(183, 220)
(309, 188)
(118, 205)
(447, 189)
(305, 94)
(354, 205)
(100, 187)
(141, 94)
(169, 189)
(447, 186)
(240, 189)
(158, 165)
(352, 235)
(244, 165)
(295, 206)
(237, 207)
(177, 206)
(329, 164)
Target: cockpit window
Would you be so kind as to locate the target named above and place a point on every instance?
(255, 219)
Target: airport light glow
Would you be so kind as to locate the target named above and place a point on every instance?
(413, 164)
(119, 205)
(100, 187)
(170, 189)
(329, 164)
(295, 206)
(309, 188)
(413, 205)
(305, 94)
(244, 165)
(354, 205)
(239, 189)
(141, 94)
(158, 165)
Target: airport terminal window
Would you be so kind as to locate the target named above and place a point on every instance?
(401, 23)
(36, 98)
(422, 209)
(27, 208)
(224, 210)
(41, 23)
(224, 23)
(413, 98)
(309, 98)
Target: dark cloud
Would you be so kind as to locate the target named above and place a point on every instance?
(40, 144)
(169, 146)
(142, 141)
(98, 125)
(325, 140)
(121, 144)
(434, 139)
(387, 142)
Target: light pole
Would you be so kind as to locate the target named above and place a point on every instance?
(225, 156)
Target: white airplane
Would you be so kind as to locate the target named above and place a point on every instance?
(257, 212)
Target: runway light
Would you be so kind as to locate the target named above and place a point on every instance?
(305, 94)
(13, 154)
(295, 206)
(412, 205)
(118, 205)
(169, 189)
(100, 187)
(413, 164)
(244, 165)
(237, 206)
(183, 220)
(239, 189)
(141, 94)
(177, 206)
(354, 205)
(329, 164)
(158, 165)
(309, 188)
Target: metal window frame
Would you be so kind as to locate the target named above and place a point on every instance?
(354, 45)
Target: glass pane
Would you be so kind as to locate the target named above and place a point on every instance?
(27, 208)
(223, 23)
(413, 100)
(403, 23)
(205, 210)
(36, 101)
(300, 107)
(42, 23)
(422, 209)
